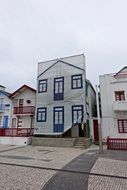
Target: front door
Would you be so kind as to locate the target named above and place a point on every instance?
(95, 129)
(5, 122)
(58, 119)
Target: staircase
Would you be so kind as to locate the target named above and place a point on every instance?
(79, 142)
(82, 142)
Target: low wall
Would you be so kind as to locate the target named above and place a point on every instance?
(54, 142)
(15, 140)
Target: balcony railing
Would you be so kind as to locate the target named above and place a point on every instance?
(16, 132)
(29, 110)
(120, 105)
(2, 107)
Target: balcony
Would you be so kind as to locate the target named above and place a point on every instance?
(25, 110)
(120, 106)
(2, 108)
(16, 132)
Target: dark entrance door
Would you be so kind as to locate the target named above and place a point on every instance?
(81, 131)
(95, 129)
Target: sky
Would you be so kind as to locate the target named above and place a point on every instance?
(32, 31)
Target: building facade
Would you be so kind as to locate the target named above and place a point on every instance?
(23, 107)
(61, 97)
(113, 90)
(5, 108)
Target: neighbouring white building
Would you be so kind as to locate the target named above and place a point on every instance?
(17, 115)
(113, 90)
(65, 99)
(23, 107)
(5, 108)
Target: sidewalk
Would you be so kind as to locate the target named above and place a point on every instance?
(110, 163)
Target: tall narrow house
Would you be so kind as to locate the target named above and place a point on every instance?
(61, 98)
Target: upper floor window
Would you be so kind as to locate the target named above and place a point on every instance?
(59, 88)
(122, 125)
(42, 86)
(41, 114)
(119, 96)
(21, 102)
(76, 81)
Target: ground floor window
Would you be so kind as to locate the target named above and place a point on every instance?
(41, 114)
(77, 114)
(122, 125)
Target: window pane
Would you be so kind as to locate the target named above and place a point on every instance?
(74, 83)
(56, 87)
(60, 87)
(56, 117)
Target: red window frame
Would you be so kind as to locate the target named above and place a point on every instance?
(122, 125)
(119, 96)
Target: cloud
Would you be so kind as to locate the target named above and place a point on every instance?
(33, 31)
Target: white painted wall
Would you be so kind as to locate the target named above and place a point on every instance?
(71, 97)
(22, 141)
(26, 119)
(7, 111)
(108, 86)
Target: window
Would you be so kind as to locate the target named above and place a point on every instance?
(41, 114)
(59, 119)
(77, 114)
(122, 125)
(76, 81)
(42, 86)
(59, 88)
(21, 102)
(19, 122)
(119, 96)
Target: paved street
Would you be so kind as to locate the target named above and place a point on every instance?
(73, 181)
(32, 168)
(24, 178)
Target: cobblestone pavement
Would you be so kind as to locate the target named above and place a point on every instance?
(110, 163)
(52, 157)
(73, 181)
(24, 178)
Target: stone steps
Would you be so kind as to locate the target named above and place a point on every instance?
(79, 143)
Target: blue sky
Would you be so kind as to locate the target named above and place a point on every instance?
(38, 30)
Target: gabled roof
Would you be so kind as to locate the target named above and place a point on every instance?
(20, 90)
(59, 60)
(5, 93)
(122, 73)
